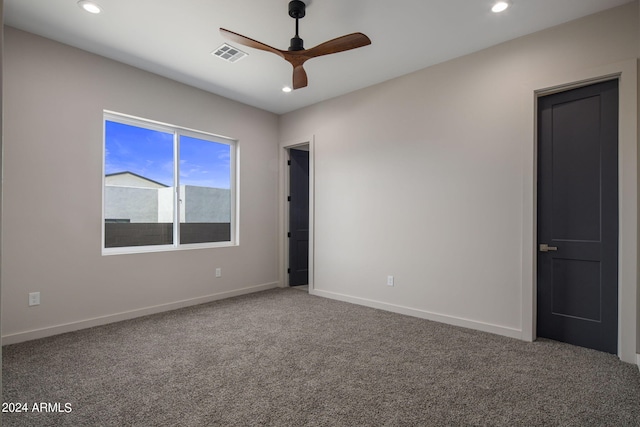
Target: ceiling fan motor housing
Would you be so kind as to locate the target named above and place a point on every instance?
(296, 44)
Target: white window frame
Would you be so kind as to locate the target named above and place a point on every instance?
(177, 131)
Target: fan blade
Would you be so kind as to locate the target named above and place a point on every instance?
(299, 77)
(297, 57)
(340, 44)
(246, 41)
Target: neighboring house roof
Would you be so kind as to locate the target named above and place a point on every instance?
(130, 179)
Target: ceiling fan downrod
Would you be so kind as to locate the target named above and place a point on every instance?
(296, 11)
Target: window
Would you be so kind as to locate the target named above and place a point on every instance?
(166, 187)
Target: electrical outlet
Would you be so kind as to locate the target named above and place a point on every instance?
(218, 272)
(390, 281)
(34, 298)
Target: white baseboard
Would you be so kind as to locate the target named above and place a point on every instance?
(117, 317)
(423, 314)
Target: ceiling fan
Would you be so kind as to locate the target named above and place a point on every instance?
(296, 55)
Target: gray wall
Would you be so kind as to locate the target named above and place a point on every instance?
(452, 148)
(52, 222)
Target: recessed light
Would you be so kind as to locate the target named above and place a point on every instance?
(90, 6)
(286, 89)
(500, 6)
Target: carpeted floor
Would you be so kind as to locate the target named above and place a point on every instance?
(286, 358)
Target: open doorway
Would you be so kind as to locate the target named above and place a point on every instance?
(298, 214)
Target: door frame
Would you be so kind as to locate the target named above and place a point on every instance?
(284, 206)
(628, 304)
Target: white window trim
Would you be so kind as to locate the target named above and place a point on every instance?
(177, 131)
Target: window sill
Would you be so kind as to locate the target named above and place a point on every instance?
(164, 248)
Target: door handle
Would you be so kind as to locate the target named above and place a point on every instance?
(546, 248)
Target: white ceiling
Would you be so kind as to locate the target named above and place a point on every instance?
(175, 38)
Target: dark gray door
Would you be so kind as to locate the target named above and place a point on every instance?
(298, 217)
(577, 294)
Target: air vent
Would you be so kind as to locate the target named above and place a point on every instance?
(229, 53)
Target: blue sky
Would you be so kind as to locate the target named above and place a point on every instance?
(150, 153)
